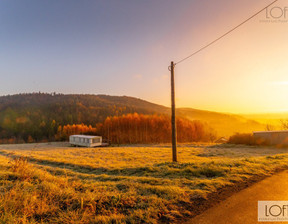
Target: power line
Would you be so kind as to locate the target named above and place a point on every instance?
(230, 31)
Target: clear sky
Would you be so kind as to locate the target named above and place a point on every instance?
(124, 47)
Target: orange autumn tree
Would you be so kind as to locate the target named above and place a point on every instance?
(64, 132)
(140, 128)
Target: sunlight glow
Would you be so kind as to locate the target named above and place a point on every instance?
(281, 83)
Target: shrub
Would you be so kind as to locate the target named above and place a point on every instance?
(244, 138)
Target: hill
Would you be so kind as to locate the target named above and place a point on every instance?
(271, 119)
(69, 109)
(101, 104)
(224, 124)
(39, 114)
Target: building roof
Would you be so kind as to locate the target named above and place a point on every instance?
(261, 132)
(85, 136)
(221, 140)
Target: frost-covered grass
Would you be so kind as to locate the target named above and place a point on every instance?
(47, 183)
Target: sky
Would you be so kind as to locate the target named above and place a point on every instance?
(124, 47)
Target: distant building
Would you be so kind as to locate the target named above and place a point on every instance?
(221, 140)
(85, 140)
(271, 137)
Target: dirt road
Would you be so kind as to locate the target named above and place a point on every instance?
(241, 208)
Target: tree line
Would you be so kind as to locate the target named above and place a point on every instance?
(141, 128)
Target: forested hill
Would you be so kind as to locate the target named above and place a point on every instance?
(69, 109)
(39, 114)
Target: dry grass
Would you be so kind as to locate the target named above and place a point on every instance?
(50, 183)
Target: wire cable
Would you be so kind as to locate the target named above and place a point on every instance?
(230, 31)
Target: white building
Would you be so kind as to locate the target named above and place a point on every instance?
(272, 137)
(85, 140)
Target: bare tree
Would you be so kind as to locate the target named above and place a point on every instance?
(269, 127)
(284, 124)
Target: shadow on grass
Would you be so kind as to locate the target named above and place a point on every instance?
(167, 170)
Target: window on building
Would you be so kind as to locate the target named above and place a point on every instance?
(96, 140)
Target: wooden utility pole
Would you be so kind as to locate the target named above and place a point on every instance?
(173, 122)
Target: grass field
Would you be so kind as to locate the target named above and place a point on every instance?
(55, 183)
